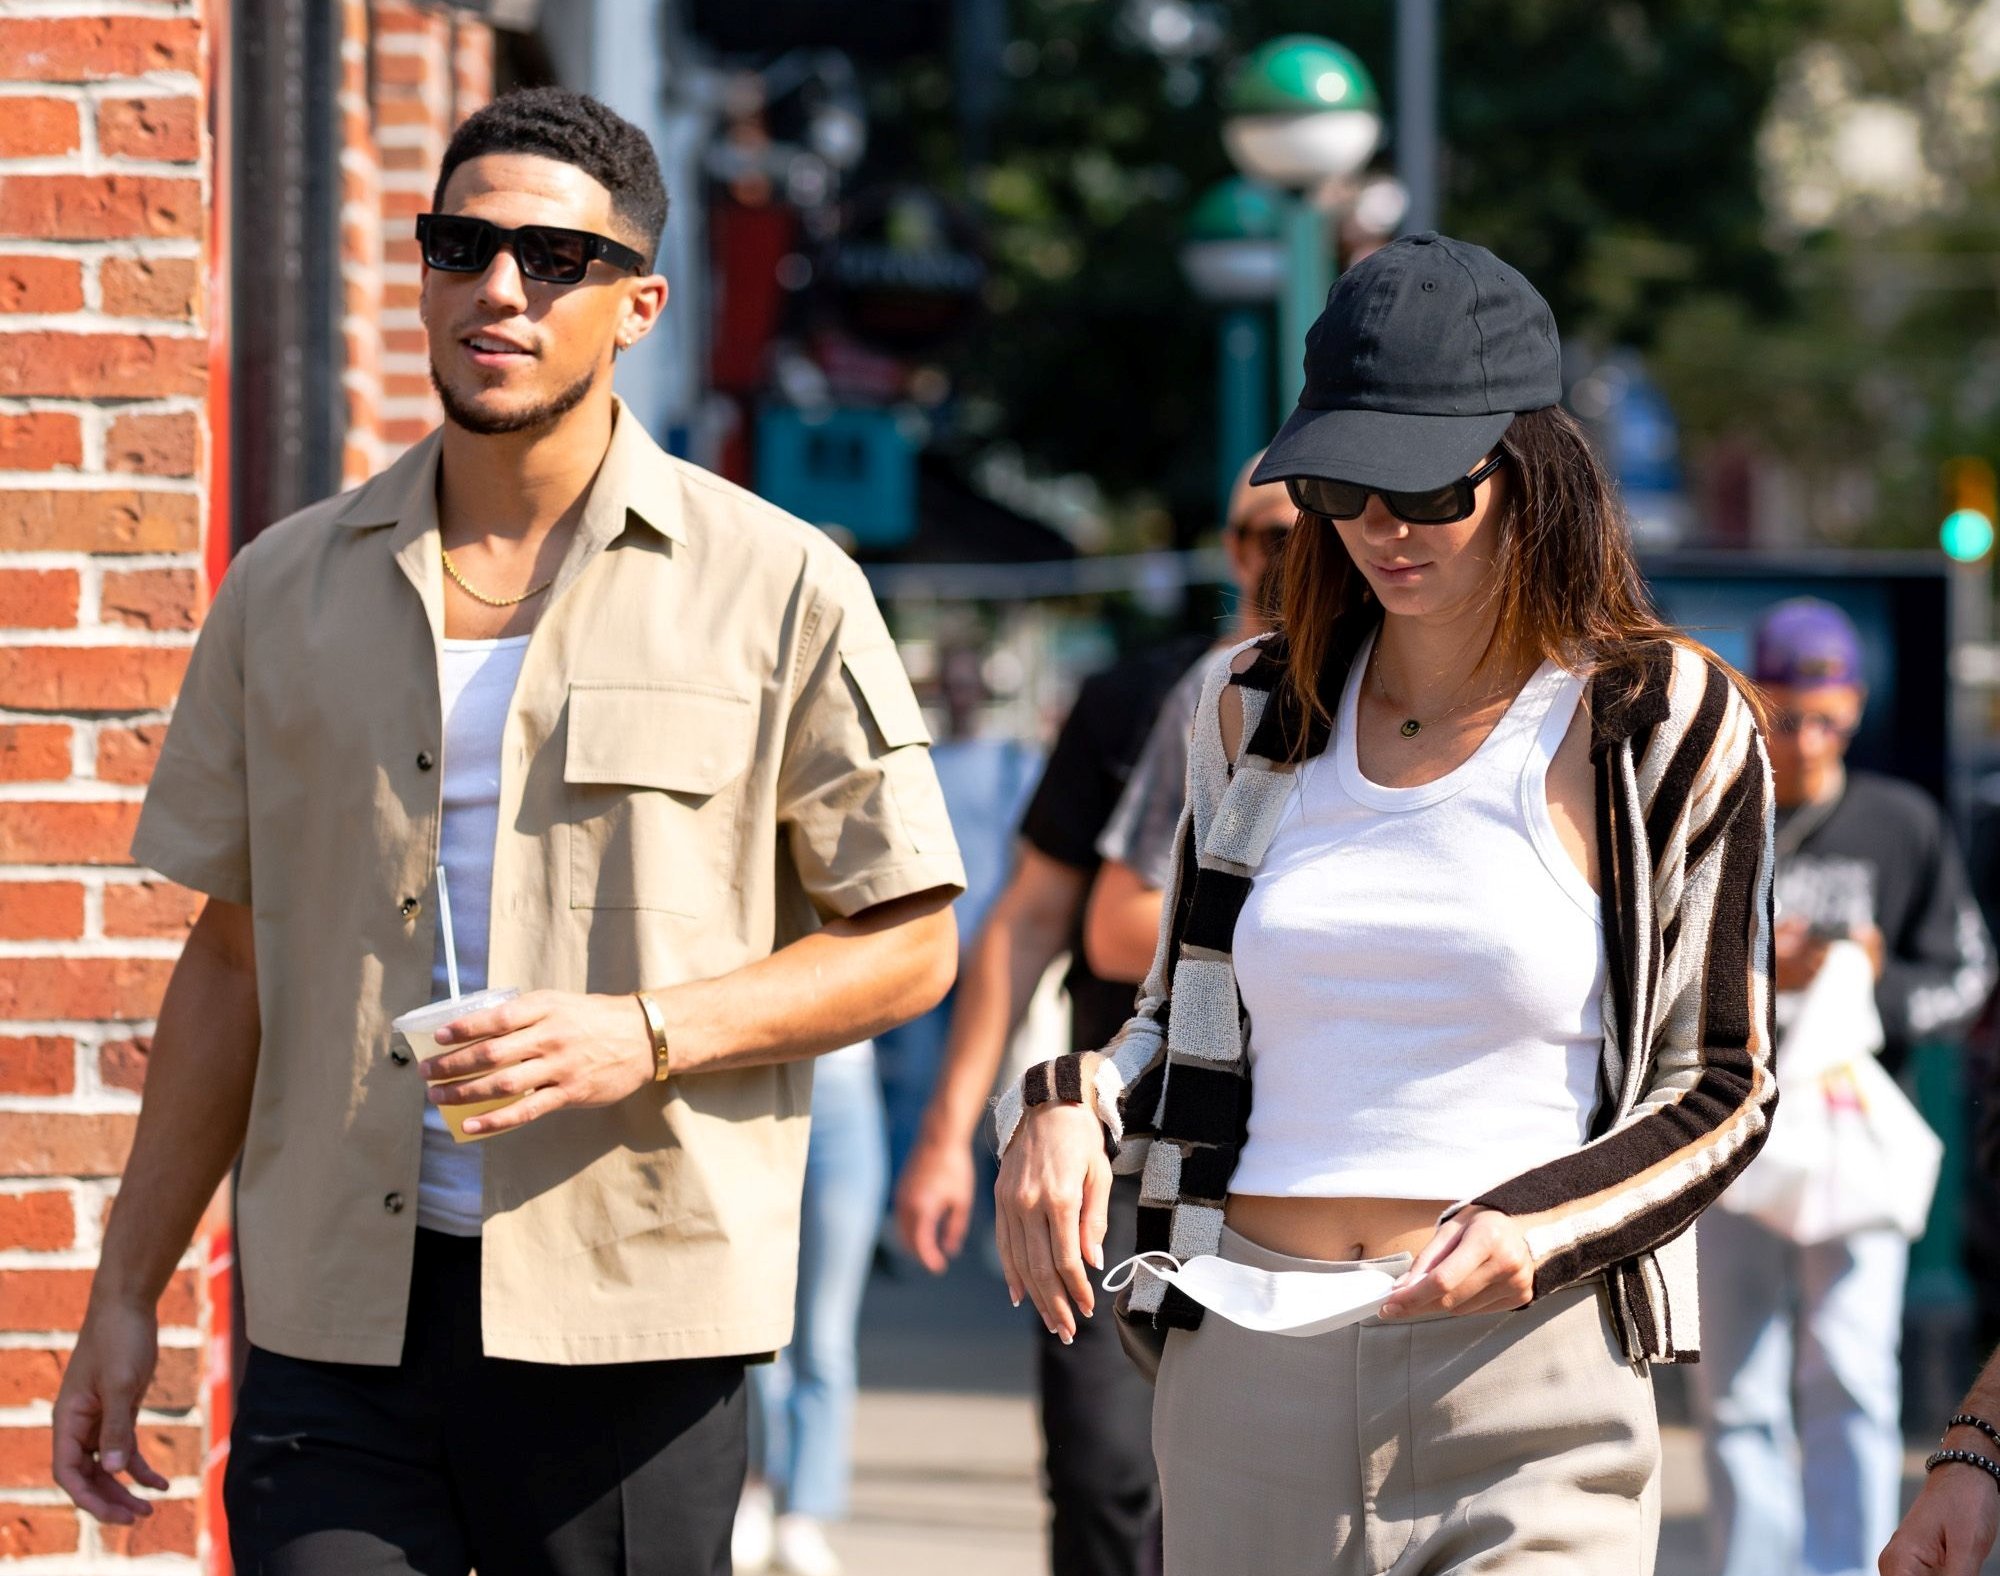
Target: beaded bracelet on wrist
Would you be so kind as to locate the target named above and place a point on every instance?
(1969, 1420)
(1968, 1458)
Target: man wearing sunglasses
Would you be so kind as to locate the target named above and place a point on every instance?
(1799, 1380)
(656, 735)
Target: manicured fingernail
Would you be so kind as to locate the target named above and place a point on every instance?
(1014, 1296)
(1067, 1339)
(474, 1125)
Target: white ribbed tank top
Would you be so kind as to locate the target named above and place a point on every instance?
(1422, 969)
(476, 680)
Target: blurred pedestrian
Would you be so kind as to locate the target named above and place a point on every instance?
(1478, 851)
(657, 732)
(987, 778)
(1800, 1388)
(1951, 1527)
(1096, 1411)
(1121, 922)
(805, 1398)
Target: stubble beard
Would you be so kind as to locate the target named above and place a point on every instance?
(533, 418)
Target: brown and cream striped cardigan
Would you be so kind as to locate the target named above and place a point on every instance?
(1685, 1087)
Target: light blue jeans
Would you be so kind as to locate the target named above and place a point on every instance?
(1799, 1389)
(806, 1398)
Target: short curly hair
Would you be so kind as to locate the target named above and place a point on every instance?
(574, 128)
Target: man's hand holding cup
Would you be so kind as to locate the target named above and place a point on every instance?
(538, 1053)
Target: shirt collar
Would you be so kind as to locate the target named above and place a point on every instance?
(637, 480)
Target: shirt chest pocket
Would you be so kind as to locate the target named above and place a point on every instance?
(654, 777)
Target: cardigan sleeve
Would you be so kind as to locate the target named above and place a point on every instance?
(1127, 1085)
(1706, 1090)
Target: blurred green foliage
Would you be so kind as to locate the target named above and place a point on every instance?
(1608, 149)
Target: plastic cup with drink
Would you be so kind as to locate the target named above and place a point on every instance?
(420, 1026)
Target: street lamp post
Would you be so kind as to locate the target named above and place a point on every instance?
(1301, 111)
(1234, 257)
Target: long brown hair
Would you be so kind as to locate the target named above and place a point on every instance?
(1569, 587)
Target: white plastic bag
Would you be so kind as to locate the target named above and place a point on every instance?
(1847, 1151)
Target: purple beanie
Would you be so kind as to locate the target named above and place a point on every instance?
(1806, 644)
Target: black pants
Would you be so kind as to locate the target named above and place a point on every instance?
(453, 1460)
(1097, 1434)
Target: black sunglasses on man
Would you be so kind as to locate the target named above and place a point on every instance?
(456, 243)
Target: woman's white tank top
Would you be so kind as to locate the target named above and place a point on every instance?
(1422, 968)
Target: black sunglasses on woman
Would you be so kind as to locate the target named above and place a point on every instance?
(1444, 505)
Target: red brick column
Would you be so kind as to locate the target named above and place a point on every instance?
(361, 251)
(431, 71)
(104, 170)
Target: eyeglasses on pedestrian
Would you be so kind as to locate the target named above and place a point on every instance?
(1793, 723)
(457, 243)
(1267, 538)
(1434, 506)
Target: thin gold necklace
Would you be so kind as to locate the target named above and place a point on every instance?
(477, 595)
(1413, 726)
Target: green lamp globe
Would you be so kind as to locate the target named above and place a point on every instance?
(1234, 251)
(1300, 110)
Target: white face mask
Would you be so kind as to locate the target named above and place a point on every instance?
(1273, 1302)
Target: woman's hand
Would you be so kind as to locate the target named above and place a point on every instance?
(1049, 1216)
(1477, 1262)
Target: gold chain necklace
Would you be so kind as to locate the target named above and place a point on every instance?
(477, 595)
(1412, 726)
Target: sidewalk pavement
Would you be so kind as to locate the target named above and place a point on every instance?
(947, 1445)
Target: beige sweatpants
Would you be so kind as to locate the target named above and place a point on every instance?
(1515, 1442)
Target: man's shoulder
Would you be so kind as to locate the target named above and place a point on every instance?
(1145, 677)
(1883, 801)
(725, 519)
(301, 535)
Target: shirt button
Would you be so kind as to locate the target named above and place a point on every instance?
(425, 760)
(407, 907)
(393, 1203)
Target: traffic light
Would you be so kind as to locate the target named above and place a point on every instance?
(1973, 499)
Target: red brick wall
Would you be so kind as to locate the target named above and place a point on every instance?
(105, 167)
(432, 69)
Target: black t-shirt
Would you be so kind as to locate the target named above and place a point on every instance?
(1080, 787)
(1882, 855)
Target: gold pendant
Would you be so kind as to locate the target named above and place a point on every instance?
(1411, 728)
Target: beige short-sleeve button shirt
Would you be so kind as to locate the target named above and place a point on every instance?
(711, 749)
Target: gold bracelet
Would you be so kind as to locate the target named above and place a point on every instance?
(656, 1026)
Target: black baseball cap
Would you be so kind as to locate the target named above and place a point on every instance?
(1426, 352)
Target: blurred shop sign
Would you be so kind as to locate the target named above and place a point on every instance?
(854, 470)
(1636, 431)
(1976, 662)
(906, 269)
(1900, 602)
(516, 16)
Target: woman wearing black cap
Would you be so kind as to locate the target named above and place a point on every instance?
(1461, 1010)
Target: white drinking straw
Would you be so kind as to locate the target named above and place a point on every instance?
(450, 947)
